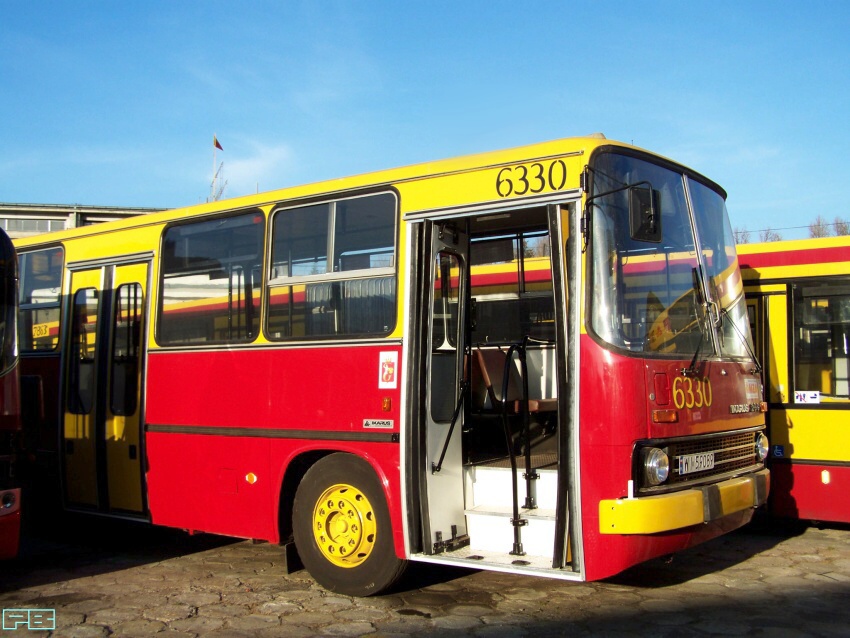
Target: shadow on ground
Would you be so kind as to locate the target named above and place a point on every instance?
(712, 556)
(80, 545)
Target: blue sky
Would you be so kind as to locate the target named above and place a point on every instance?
(116, 103)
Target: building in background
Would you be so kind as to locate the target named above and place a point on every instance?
(25, 220)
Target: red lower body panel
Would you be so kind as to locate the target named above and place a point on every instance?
(222, 428)
(231, 485)
(810, 491)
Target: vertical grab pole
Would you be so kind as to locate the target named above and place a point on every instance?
(516, 521)
(529, 475)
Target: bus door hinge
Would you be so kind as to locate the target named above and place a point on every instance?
(455, 542)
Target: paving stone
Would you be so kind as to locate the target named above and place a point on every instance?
(285, 631)
(454, 622)
(168, 613)
(200, 625)
(196, 598)
(111, 616)
(84, 631)
(253, 621)
(279, 607)
(139, 628)
(223, 610)
(362, 615)
(348, 629)
(68, 619)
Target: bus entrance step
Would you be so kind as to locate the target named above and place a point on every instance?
(490, 529)
(491, 487)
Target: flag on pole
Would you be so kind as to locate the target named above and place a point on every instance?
(216, 144)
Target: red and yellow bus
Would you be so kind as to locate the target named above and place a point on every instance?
(533, 360)
(799, 297)
(10, 406)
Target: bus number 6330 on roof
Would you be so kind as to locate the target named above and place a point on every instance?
(524, 179)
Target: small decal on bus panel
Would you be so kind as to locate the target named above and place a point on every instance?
(806, 396)
(383, 424)
(753, 389)
(388, 371)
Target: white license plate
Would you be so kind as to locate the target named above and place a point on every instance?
(690, 463)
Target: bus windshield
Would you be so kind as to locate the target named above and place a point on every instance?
(720, 262)
(663, 294)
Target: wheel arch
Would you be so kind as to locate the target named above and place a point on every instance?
(298, 466)
(295, 471)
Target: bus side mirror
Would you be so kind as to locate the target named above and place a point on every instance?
(644, 213)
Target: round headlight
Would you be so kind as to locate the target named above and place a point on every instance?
(7, 500)
(762, 446)
(656, 466)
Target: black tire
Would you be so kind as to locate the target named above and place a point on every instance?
(354, 553)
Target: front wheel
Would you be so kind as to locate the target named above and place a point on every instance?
(342, 527)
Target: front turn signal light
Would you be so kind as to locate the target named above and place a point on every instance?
(665, 416)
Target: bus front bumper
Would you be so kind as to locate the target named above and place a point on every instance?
(652, 514)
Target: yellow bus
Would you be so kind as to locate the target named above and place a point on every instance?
(511, 361)
(798, 294)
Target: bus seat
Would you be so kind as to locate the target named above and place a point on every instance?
(488, 374)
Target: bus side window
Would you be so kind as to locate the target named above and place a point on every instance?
(333, 269)
(125, 349)
(207, 288)
(81, 382)
(821, 337)
(39, 290)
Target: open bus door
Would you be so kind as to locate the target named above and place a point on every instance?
(444, 520)
(102, 407)
(496, 440)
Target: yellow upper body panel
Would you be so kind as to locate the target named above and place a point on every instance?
(795, 258)
(518, 176)
(467, 180)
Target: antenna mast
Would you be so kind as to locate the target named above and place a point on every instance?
(216, 191)
(216, 187)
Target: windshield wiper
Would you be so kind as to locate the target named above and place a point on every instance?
(699, 297)
(725, 313)
(691, 370)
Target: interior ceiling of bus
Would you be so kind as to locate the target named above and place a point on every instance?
(525, 219)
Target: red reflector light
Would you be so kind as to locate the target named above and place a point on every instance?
(665, 416)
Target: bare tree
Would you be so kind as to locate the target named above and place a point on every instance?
(841, 226)
(819, 227)
(742, 236)
(769, 235)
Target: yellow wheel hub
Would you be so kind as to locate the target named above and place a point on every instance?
(344, 525)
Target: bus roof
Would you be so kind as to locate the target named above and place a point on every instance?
(567, 146)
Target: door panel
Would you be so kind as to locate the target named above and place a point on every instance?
(123, 404)
(445, 517)
(80, 437)
(103, 371)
